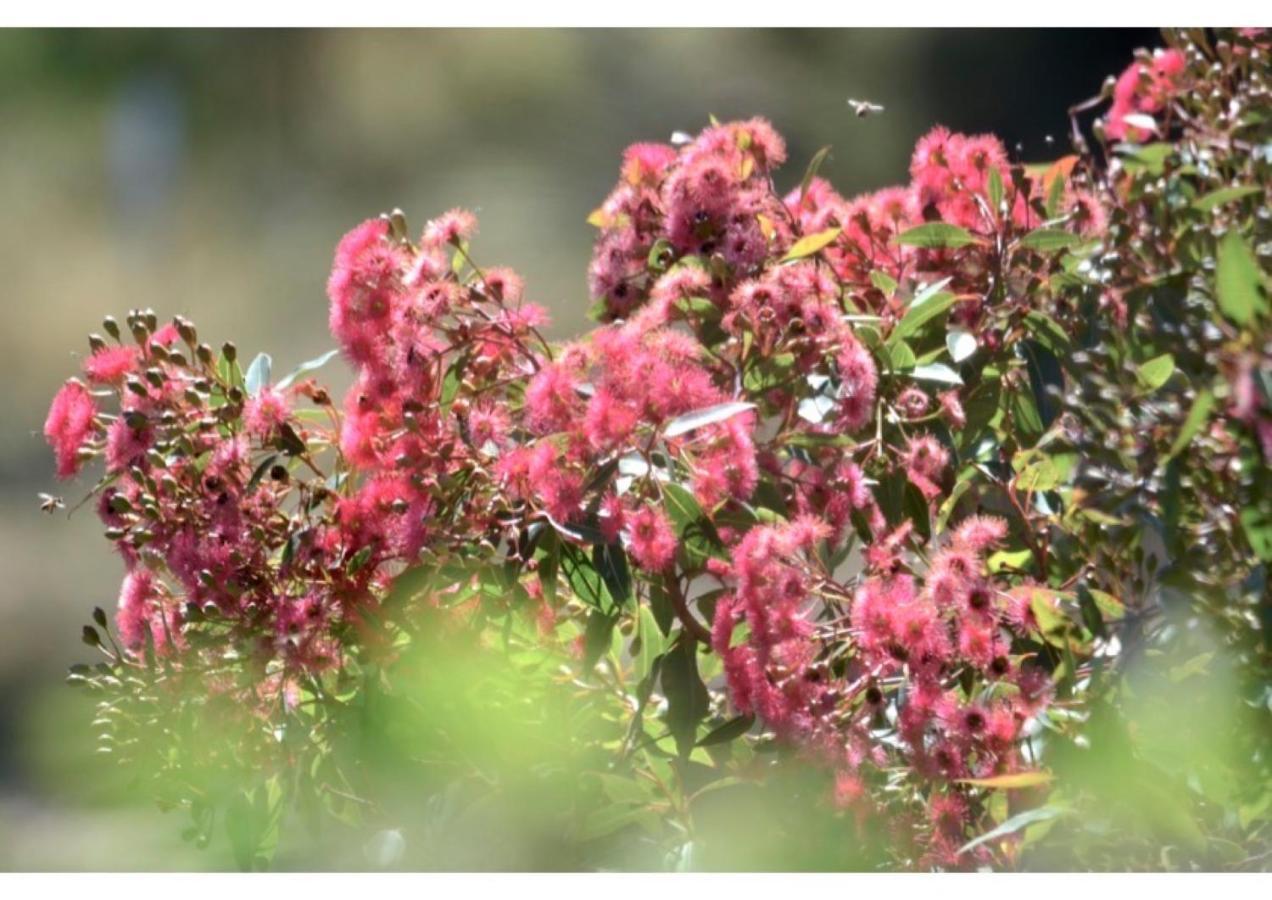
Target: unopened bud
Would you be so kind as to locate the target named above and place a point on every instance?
(111, 326)
(187, 331)
(229, 351)
(96, 342)
(205, 355)
(177, 358)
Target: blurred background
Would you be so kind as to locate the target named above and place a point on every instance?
(211, 173)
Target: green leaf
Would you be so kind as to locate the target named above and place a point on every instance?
(814, 165)
(687, 699)
(900, 357)
(1055, 195)
(1039, 471)
(1048, 240)
(611, 562)
(1109, 606)
(585, 581)
(1014, 824)
(1156, 372)
(682, 506)
(1238, 280)
(624, 790)
(1197, 417)
(933, 235)
(309, 366)
(995, 190)
(1047, 332)
(1008, 559)
(1013, 781)
(812, 243)
(1148, 158)
(707, 416)
(1218, 198)
(884, 282)
(652, 644)
(609, 819)
(257, 377)
(925, 307)
(734, 728)
(1257, 525)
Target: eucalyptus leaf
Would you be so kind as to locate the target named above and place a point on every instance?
(257, 377)
(707, 416)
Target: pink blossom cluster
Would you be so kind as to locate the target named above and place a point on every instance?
(733, 370)
(1142, 91)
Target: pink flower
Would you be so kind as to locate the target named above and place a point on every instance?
(652, 539)
(551, 400)
(69, 425)
(453, 227)
(137, 599)
(365, 282)
(859, 381)
(109, 365)
(266, 411)
(125, 445)
(646, 163)
(979, 533)
(925, 460)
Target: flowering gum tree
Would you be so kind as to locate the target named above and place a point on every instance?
(881, 490)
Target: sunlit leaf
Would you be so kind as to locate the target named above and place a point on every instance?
(707, 416)
(811, 243)
(1238, 280)
(257, 377)
(935, 235)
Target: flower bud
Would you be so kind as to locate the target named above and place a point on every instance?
(229, 351)
(187, 331)
(111, 327)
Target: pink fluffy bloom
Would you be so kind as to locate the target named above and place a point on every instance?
(126, 444)
(952, 409)
(1143, 90)
(69, 425)
(137, 598)
(646, 163)
(109, 365)
(925, 460)
(365, 282)
(609, 421)
(859, 382)
(979, 533)
(551, 399)
(930, 167)
(451, 227)
(266, 411)
(652, 539)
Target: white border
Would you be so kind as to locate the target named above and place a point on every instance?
(639, 13)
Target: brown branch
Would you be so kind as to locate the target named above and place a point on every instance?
(691, 624)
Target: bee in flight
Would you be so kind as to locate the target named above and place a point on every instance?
(51, 504)
(864, 108)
